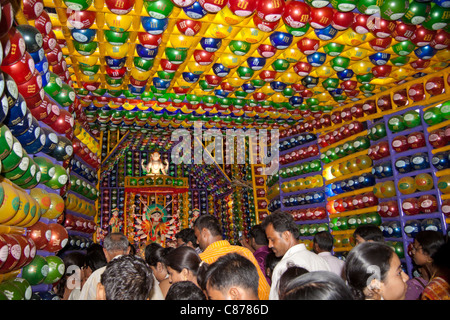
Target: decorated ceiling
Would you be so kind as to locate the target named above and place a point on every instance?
(240, 62)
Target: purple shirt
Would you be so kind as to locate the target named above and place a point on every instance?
(260, 256)
(415, 288)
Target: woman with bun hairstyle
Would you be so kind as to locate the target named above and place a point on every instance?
(373, 272)
(183, 264)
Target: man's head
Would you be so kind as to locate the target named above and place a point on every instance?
(185, 290)
(207, 230)
(257, 237)
(186, 237)
(232, 277)
(125, 278)
(281, 231)
(368, 232)
(322, 242)
(115, 244)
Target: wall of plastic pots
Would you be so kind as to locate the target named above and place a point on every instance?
(47, 182)
(243, 202)
(103, 34)
(229, 197)
(384, 161)
(236, 208)
(299, 187)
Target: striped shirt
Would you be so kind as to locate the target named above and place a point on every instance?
(223, 247)
(437, 289)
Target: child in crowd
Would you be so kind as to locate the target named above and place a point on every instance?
(270, 264)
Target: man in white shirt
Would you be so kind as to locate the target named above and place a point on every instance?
(282, 233)
(322, 245)
(114, 245)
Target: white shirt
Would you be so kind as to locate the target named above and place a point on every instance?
(156, 293)
(299, 256)
(89, 290)
(336, 264)
(74, 294)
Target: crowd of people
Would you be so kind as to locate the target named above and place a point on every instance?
(272, 264)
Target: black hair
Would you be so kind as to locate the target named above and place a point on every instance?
(127, 278)
(369, 232)
(132, 249)
(289, 275)
(271, 260)
(185, 290)
(281, 221)
(441, 259)
(324, 240)
(430, 241)
(232, 269)
(209, 222)
(183, 258)
(365, 261)
(154, 253)
(257, 233)
(317, 285)
(95, 257)
(74, 258)
(187, 235)
(202, 275)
